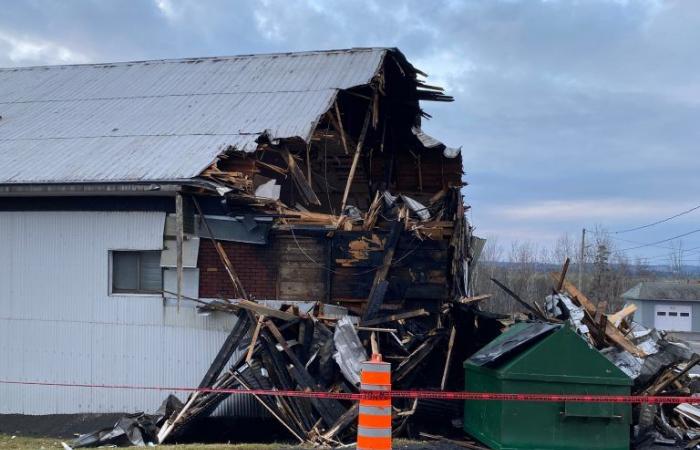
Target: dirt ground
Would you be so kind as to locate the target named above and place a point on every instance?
(9, 442)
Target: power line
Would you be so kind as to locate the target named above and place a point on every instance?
(651, 244)
(688, 257)
(655, 246)
(640, 243)
(657, 222)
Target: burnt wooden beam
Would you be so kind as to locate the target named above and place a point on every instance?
(275, 365)
(230, 344)
(300, 181)
(264, 310)
(330, 410)
(271, 411)
(380, 285)
(347, 419)
(235, 281)
(415, 359)
(356, 158)
(517, 298)
(394, 317)
(179, 221)
(448, 359)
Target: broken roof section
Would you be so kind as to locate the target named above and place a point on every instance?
(168, 120)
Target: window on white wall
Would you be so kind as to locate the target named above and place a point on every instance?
(136, 272)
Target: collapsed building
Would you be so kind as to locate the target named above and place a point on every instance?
(149, 208)
(265, 222)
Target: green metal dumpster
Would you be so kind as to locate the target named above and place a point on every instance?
(541, 358)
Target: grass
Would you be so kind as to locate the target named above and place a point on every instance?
(8, 442)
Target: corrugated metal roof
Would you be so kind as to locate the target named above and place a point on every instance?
(166, 119)
(664, 290)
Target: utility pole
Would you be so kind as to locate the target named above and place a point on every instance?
(581, 259)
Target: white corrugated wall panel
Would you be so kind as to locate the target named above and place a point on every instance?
(59, 324)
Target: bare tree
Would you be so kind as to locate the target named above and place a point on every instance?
(524, 267)
(642, 270)
(563, 248)
(675, 258)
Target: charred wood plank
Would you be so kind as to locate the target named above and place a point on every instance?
(264, 310)
(410, 364)
(517, 298)
(380, 285)
(300, 180)
(330, 410)
(356, 158)
(240, 329)
(272, 411)
(395, 317)
(275, 365)
(347, 419)
(235, 281)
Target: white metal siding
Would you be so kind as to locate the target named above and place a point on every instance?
(58, 323)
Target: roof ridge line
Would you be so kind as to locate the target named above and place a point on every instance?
(199, 58)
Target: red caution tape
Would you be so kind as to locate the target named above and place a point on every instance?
(374, 395)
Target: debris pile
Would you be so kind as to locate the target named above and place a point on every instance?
(363, 222)
(657, 363)
(319, 346)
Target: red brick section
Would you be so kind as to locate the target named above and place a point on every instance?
(256, 266)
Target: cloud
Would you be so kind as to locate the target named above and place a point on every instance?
(20, 50)
(611, 210)
(583, 109)
(168, 8)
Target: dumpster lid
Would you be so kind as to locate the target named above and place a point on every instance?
(517, 337)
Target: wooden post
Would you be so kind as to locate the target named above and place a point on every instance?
(581, 258)
(449, 357)
(254, 339)
(235, 281)
(562, 277)
(380, 284)
(355, 159)
(340, 127)
(179, 233)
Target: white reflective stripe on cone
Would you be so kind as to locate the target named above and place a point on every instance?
(373, 432)
(375, 410)
(375, 387)
(376, 366)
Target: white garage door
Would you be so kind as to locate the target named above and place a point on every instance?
(673, 317)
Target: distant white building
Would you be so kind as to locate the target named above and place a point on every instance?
(666, 305)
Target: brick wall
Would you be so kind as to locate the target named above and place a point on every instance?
(256, 266)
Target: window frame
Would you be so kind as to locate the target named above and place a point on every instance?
(127, 292)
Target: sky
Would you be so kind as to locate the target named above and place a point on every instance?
(570, 113)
